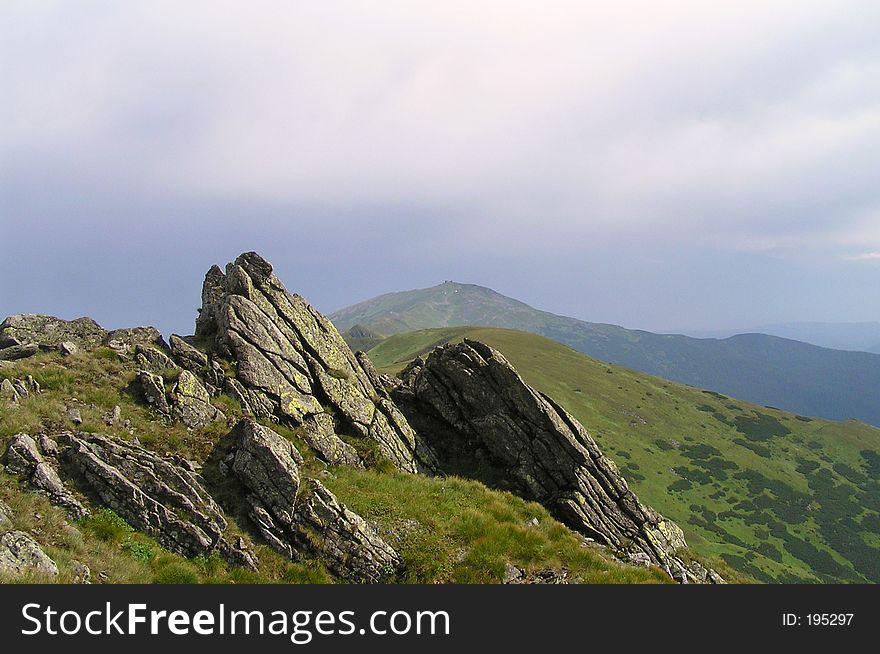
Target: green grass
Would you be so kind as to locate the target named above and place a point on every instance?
(456, 530)
(778, 496)
(447, 530)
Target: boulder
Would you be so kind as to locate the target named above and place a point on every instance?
(187, 356)
(15, 352)
(153, 389)
(191, 402)
(19, 553)
(68, 348)
(7, 392)
(485, 422)
(292, 363)
(300, 516)
(24, 459)
(155, 494)
(5, 515)
(153, 360)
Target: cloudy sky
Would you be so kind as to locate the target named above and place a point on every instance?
(662, 165)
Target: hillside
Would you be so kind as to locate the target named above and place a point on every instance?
(263, 450)
(779, 496)
(767, 370)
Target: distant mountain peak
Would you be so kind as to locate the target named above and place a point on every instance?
(768, 370)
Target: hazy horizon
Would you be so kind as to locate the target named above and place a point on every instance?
(684, 167)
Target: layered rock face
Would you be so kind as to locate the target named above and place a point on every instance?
(161, 496)
(297, 515)
(293, 366)
(484, 421)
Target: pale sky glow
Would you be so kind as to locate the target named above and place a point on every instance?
(657, 164)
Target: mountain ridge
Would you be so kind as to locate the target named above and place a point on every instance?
(767, 370)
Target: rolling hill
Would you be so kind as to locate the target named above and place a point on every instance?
(779, 496)
(766, 370)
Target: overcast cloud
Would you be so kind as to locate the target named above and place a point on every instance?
(657, 164)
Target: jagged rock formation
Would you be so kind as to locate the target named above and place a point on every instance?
(24, 335)
(298, 515)
(162, 496)
(294, 366)
(19, 553)
(24, 458)
(484, 421)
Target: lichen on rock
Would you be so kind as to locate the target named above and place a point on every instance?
(294, 366)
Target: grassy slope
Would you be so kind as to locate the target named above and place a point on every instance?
(759, 368)
(445, 529)
(778, 496)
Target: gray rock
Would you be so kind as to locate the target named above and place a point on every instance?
(153, 388)
(298, 516)
(47, 445)
(191, 402)
(484, 421)
(19, 553)
(16, 352)
(512, 574)
(68, 348)
(187, 356)
(113, 416)
(7, 392)
(292, 361)
(127, 340)
(81, 573)
(5, 515)
(153, 360)
(74, 415)
(49, 332)
(154, 494)
(24, 459)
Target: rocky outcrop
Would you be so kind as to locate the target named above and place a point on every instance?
(162, 496)
(19, 554)
(23, 335)
(300, 516)
(294, 367)
(24, 458)
(485, 422)
(49, 332)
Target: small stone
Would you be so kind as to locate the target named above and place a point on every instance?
(68, 348)
(112, 417)
(533, 522)
(74, 415)
(512, 574)
(81, 573)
